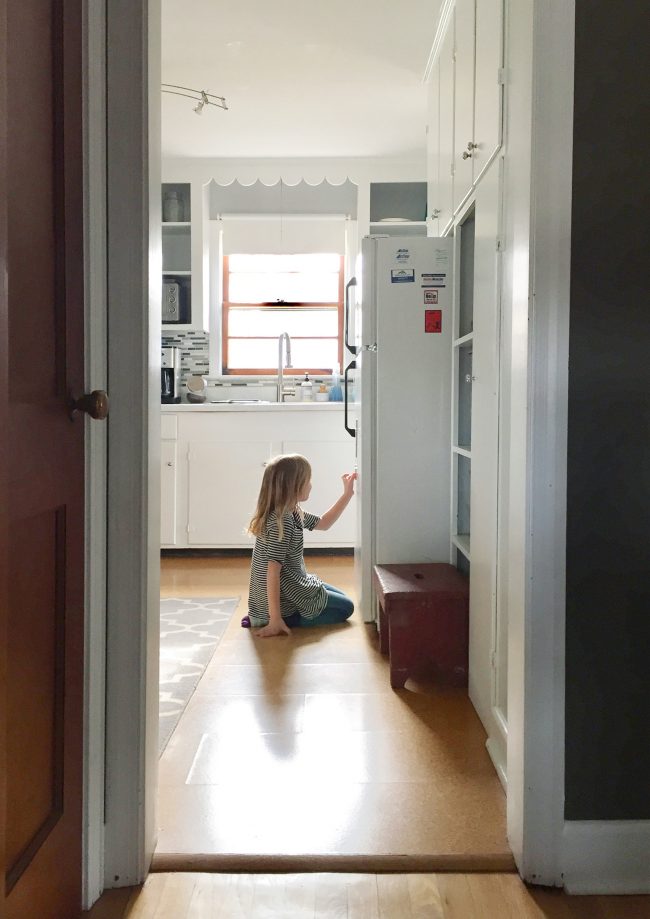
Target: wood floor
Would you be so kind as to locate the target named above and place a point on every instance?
(295, 754)
(355, 896)
(339, 700)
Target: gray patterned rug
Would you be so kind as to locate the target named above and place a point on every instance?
(190, 630)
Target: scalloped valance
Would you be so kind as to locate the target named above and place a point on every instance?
(281, 198)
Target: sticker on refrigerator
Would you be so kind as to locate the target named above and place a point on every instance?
(433, 320)
(402, 275)
(430, 295)
(431, 279)
(402, 255)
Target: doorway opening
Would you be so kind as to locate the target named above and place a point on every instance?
(299, 747)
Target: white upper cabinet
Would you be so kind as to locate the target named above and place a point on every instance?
(463, 98)
(433, 152)
(488, 94)
(446, 128)
(466, 78)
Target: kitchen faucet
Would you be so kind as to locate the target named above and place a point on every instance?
(283, 336)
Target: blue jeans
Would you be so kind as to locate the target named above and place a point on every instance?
(339, 607)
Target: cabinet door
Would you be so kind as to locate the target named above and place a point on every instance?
(489, 90)
(485, 427)
(168, 493)
(463, 99)
(329, 460)
(224, 482)
(433, 151)
(446, 180)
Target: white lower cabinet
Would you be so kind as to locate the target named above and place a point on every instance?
(212, 471)
(168, 492)
(224, 482)
(328, 460)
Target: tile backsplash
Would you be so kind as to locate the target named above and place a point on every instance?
(194, 347)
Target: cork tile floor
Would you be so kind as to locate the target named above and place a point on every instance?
(298, 747)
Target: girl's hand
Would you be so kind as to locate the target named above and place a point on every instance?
(348, 479)
(273, 629)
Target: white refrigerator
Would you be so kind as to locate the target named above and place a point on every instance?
(398, 403)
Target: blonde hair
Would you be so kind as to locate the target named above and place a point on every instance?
(284, 479)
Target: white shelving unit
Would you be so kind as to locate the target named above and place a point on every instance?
(177, 249)
(462, 364)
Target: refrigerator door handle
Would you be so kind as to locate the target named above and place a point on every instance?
(351, 348)
(351, 366)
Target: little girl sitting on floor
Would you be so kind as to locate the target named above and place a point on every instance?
(281, 593)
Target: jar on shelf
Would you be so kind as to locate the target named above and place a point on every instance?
(172, 208)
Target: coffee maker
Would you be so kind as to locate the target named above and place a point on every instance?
(170, 375)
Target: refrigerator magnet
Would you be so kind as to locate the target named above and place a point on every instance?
(402, 275)
(433, 320)
(431, 295)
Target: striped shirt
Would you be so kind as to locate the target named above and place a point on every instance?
(299, 591)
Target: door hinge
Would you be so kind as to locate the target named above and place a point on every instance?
(187, 529)
(500, 245)
(501, 76)
(493, 660)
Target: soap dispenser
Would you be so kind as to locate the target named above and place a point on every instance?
(306, 389)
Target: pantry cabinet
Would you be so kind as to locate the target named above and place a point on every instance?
(465, 106)
(213, 462)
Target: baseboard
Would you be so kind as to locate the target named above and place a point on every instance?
(606, 856)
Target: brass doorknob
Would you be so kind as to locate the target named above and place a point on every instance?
(94, 403)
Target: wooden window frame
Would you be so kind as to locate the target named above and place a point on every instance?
(258, 371)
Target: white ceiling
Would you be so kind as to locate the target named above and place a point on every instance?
(302, 78)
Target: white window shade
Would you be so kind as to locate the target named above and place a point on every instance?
(289, 235)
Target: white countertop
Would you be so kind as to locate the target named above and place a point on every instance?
(254, 407)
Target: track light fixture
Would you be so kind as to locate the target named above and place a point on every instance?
(200, 96)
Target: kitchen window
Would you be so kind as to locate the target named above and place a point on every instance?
(265, 295)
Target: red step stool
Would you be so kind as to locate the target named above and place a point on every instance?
(423, 619)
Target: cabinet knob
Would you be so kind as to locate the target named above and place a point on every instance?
(466, 155)
(170, 464)
(472, 146)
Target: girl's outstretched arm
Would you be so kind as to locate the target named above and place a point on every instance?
(332, 515)
(276, 625)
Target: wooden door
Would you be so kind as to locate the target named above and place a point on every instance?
(42, 460)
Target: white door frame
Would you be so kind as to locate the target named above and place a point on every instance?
(535, 310)
(536, 263)
(124, 263)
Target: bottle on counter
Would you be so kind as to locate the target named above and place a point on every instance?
(336, 393)
(306, 389)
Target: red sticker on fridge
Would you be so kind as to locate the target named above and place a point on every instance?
(433, 320)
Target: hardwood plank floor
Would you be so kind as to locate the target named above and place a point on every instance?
(294, 753)
(356, 896)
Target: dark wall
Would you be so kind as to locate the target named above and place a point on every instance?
(608, 535)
